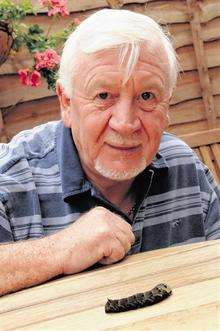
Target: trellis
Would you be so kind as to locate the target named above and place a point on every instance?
(195, 29)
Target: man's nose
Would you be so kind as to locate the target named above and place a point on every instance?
(124, 118)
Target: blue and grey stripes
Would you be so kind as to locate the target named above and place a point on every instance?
(43, 189)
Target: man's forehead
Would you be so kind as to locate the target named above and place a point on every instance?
(103, 57)
(108, 61)
(113, 54)
(108, 79)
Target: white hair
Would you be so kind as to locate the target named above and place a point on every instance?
(120, 175)
(110, 28)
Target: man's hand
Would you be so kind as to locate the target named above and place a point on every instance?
(98, 236)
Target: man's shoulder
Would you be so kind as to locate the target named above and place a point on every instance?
(175, 150)
(28, 144)
(170, 140)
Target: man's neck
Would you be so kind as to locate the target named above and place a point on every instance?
(117, 192)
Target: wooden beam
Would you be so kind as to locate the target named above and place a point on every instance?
(207, 159)
(1, 122)
(3, 136)
(28, 114)
(115, 3)
(194, 15)
(203, 138)
(216, 152)
(169, 11)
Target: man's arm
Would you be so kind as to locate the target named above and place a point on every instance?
(212, 209)
(98, 235)
(27, 263)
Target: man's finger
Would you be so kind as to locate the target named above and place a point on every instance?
(125, 228)
(118, 252)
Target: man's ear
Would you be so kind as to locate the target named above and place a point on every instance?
(64, 105)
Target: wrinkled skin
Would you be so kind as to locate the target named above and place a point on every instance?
(117, 125)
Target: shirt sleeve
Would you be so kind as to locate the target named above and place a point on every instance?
(5, 228)
(212, 220)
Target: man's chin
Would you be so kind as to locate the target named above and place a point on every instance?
(119, 175)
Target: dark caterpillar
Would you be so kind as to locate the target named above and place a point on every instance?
(139, 300)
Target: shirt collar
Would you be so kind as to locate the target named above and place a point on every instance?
(73, 178)
(159, 162)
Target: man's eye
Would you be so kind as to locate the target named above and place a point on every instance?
(147, 95)
(103, 95)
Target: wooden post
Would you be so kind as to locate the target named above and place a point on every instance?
(1, 122)
(194, 11)
(115, 3)
(3, 136)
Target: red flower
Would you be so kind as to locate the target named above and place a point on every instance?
(35, 78)
(47, 59)
(28, 77)
(55, 7)
(76, 21)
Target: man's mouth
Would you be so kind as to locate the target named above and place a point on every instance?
(125, 148)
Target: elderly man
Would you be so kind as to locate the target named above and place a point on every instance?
(106, 176)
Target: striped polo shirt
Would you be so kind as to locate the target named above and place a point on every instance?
(43, 189)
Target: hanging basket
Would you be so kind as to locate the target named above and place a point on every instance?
(6, 41)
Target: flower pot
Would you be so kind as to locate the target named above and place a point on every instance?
(6, 41)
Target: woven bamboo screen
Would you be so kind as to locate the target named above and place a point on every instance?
(195, 29)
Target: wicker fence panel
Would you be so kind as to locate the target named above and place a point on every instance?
(194, 26)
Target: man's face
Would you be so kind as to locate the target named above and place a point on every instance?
(117, 127)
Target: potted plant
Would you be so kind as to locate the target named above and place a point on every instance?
(44, 46)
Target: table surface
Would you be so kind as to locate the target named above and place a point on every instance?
(77, 302)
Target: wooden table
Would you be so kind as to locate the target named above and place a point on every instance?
(77, 302)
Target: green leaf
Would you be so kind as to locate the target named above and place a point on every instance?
(51, 77)
(33, 37)
(15, 11)
(35, 29)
